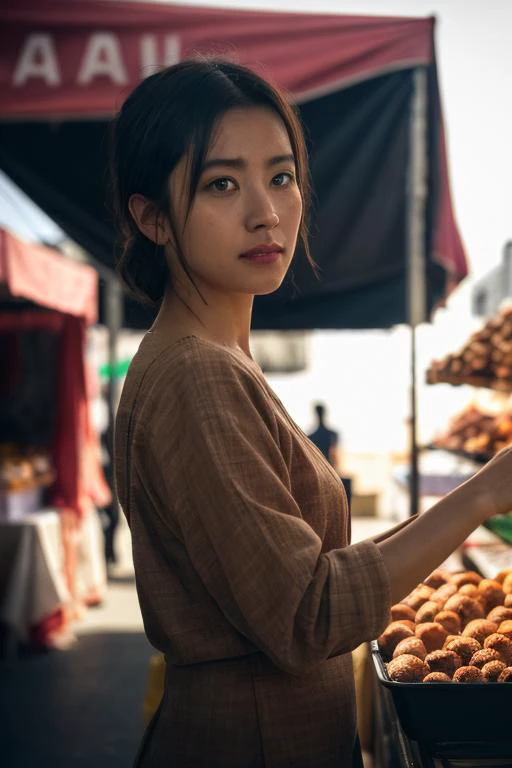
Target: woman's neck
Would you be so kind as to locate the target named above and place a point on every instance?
(226, 322)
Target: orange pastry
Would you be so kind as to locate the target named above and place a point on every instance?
(412, 646)
(407, 669)
(466, 608)
(465, 647)
(432, 634)
(479, 629)
(450, 621)
(468, 675)
(443, 661)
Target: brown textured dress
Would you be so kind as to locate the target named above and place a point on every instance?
(246, 583)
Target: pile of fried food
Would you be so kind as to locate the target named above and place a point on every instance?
(476, 431)
(486, 356)
(452, 627)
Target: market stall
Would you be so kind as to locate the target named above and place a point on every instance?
(50, 477)
(480, 431)
(383, 232)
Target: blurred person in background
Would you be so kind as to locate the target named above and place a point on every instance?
(247, 580)
(326, 440)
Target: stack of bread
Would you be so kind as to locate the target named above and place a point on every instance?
(452, 627)
(485, 358)
(476, 431)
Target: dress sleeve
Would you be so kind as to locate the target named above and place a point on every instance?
(216, 442)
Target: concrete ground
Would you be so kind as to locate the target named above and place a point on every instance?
(82, 707)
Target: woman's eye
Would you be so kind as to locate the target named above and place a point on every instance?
(283, 179)
(221, 185)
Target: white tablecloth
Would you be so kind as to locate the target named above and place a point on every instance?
(32, 583)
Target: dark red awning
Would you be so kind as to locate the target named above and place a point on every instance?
(78, 58)
(71, 61)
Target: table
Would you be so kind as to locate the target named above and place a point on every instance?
(32, 585)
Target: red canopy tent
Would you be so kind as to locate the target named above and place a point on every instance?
(382, 232)
(46, 303)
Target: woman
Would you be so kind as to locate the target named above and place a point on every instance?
(246, 579)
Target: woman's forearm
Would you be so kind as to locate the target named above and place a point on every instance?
(386, 534)
(416, 549)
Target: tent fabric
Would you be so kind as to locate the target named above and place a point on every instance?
(74, 58)
(37, 273)
(353, 80)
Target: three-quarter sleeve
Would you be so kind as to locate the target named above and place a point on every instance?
(215, 440)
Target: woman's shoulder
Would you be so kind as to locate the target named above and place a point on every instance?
(191, 364)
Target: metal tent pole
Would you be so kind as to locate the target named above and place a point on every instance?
(114, 318)
(416, 252)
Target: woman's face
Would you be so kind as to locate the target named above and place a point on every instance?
(247, 199)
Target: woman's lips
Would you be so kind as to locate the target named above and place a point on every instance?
(263, 257)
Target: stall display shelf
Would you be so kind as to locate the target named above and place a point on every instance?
(488, 553)
(498, 385)
(477, 458)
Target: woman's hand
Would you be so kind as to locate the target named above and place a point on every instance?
(413, 551)
(493, 484)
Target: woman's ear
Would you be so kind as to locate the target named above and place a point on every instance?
(149, 220)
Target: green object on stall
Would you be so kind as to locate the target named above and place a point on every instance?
(501, 525)
(120, 369)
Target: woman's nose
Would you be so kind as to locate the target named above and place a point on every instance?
(261, 213)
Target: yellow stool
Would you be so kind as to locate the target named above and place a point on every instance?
(154, 687)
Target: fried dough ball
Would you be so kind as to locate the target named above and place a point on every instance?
(437, 578)
(499, 614)
(402, 611)
(491, 594)
(442, 594)
(466, 608)
(505, 628)
(502, 575)
(432, 634)
(492, 670)
(507, 584)
(391, 636)
(418, 596)
(427, 612)
(443, 661)
(479, 629)
(407, 623)
(450, 621)
(465, 647)
(412, 646)
(469, 590)
(502, 644)
(468, 675)
(407, 669)
(466, 577)
(484, 656)
(508, 601)
(506, 675)
(437, 677)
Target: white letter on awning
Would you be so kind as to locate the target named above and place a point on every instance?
(149, 59)
(38, 59)
(103, 57)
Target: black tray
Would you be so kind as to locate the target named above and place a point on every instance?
(437, 713)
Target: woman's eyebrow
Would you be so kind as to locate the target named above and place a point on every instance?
(238, 162)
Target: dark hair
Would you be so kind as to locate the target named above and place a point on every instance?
(165, 116)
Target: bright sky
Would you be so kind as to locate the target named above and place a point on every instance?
(364, 377)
